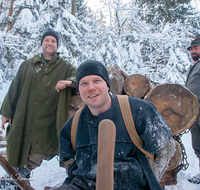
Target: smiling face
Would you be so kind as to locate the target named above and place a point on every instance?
(49, 46)
(195, 52)
(94, 92)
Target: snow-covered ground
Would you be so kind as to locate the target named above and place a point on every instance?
(50, 174)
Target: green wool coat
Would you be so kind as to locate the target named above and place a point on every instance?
(37, 110)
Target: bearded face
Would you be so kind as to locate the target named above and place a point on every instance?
(195, 52)
(195, 56)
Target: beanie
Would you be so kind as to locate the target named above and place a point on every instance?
(91, 67)
(50, 32)
(195, 42)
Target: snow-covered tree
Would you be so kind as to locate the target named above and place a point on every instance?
(30, 18)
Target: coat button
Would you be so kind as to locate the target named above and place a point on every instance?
(34, 103)
(41, 65)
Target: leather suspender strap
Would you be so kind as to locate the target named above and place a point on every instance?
(129, 123)
(74, 128)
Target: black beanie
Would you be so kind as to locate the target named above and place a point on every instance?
(91, 67)
(50, 32)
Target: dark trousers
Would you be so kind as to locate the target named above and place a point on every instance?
(196, 136)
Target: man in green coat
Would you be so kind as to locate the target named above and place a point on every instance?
(37, 105)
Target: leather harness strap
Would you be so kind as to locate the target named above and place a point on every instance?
(129, 123)
(74, 128)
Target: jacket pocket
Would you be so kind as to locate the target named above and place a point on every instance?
(8, 129)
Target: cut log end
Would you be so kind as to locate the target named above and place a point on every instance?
(136, 85)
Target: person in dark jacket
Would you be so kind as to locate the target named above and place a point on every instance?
(193, 84)
(36, 105)
(131, 167)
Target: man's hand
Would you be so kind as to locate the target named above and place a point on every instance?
(62, 84)
(4, 121)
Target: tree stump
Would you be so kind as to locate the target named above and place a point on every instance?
(136, 85)
(116, 80)
(177, 105)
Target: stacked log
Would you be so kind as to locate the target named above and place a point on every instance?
(177, 105)
(2, 144)
(136, 85)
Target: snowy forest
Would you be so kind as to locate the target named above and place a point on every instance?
(140, 36)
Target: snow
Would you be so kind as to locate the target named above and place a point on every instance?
(51, 174)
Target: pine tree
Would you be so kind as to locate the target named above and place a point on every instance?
(166, 11)
(30, 18)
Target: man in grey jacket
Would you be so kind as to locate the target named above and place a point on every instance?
(193, 84)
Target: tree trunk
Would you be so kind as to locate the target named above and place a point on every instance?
(74, 7)
(10, 15)
(136, 85)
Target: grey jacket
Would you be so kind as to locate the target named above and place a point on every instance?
(193, 79)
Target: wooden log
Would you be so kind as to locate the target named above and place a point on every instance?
(3, 153)
(105, 156)
(75, 103)
(3, 144)
(136, 85)
(176, 158)
(116, 80)
(2, 138)
(177, 105)
(122, 72)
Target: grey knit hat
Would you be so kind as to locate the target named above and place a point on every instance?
(50, 32)
(195, 42)
(91, 67)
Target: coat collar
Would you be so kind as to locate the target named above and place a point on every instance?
(39, 58)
